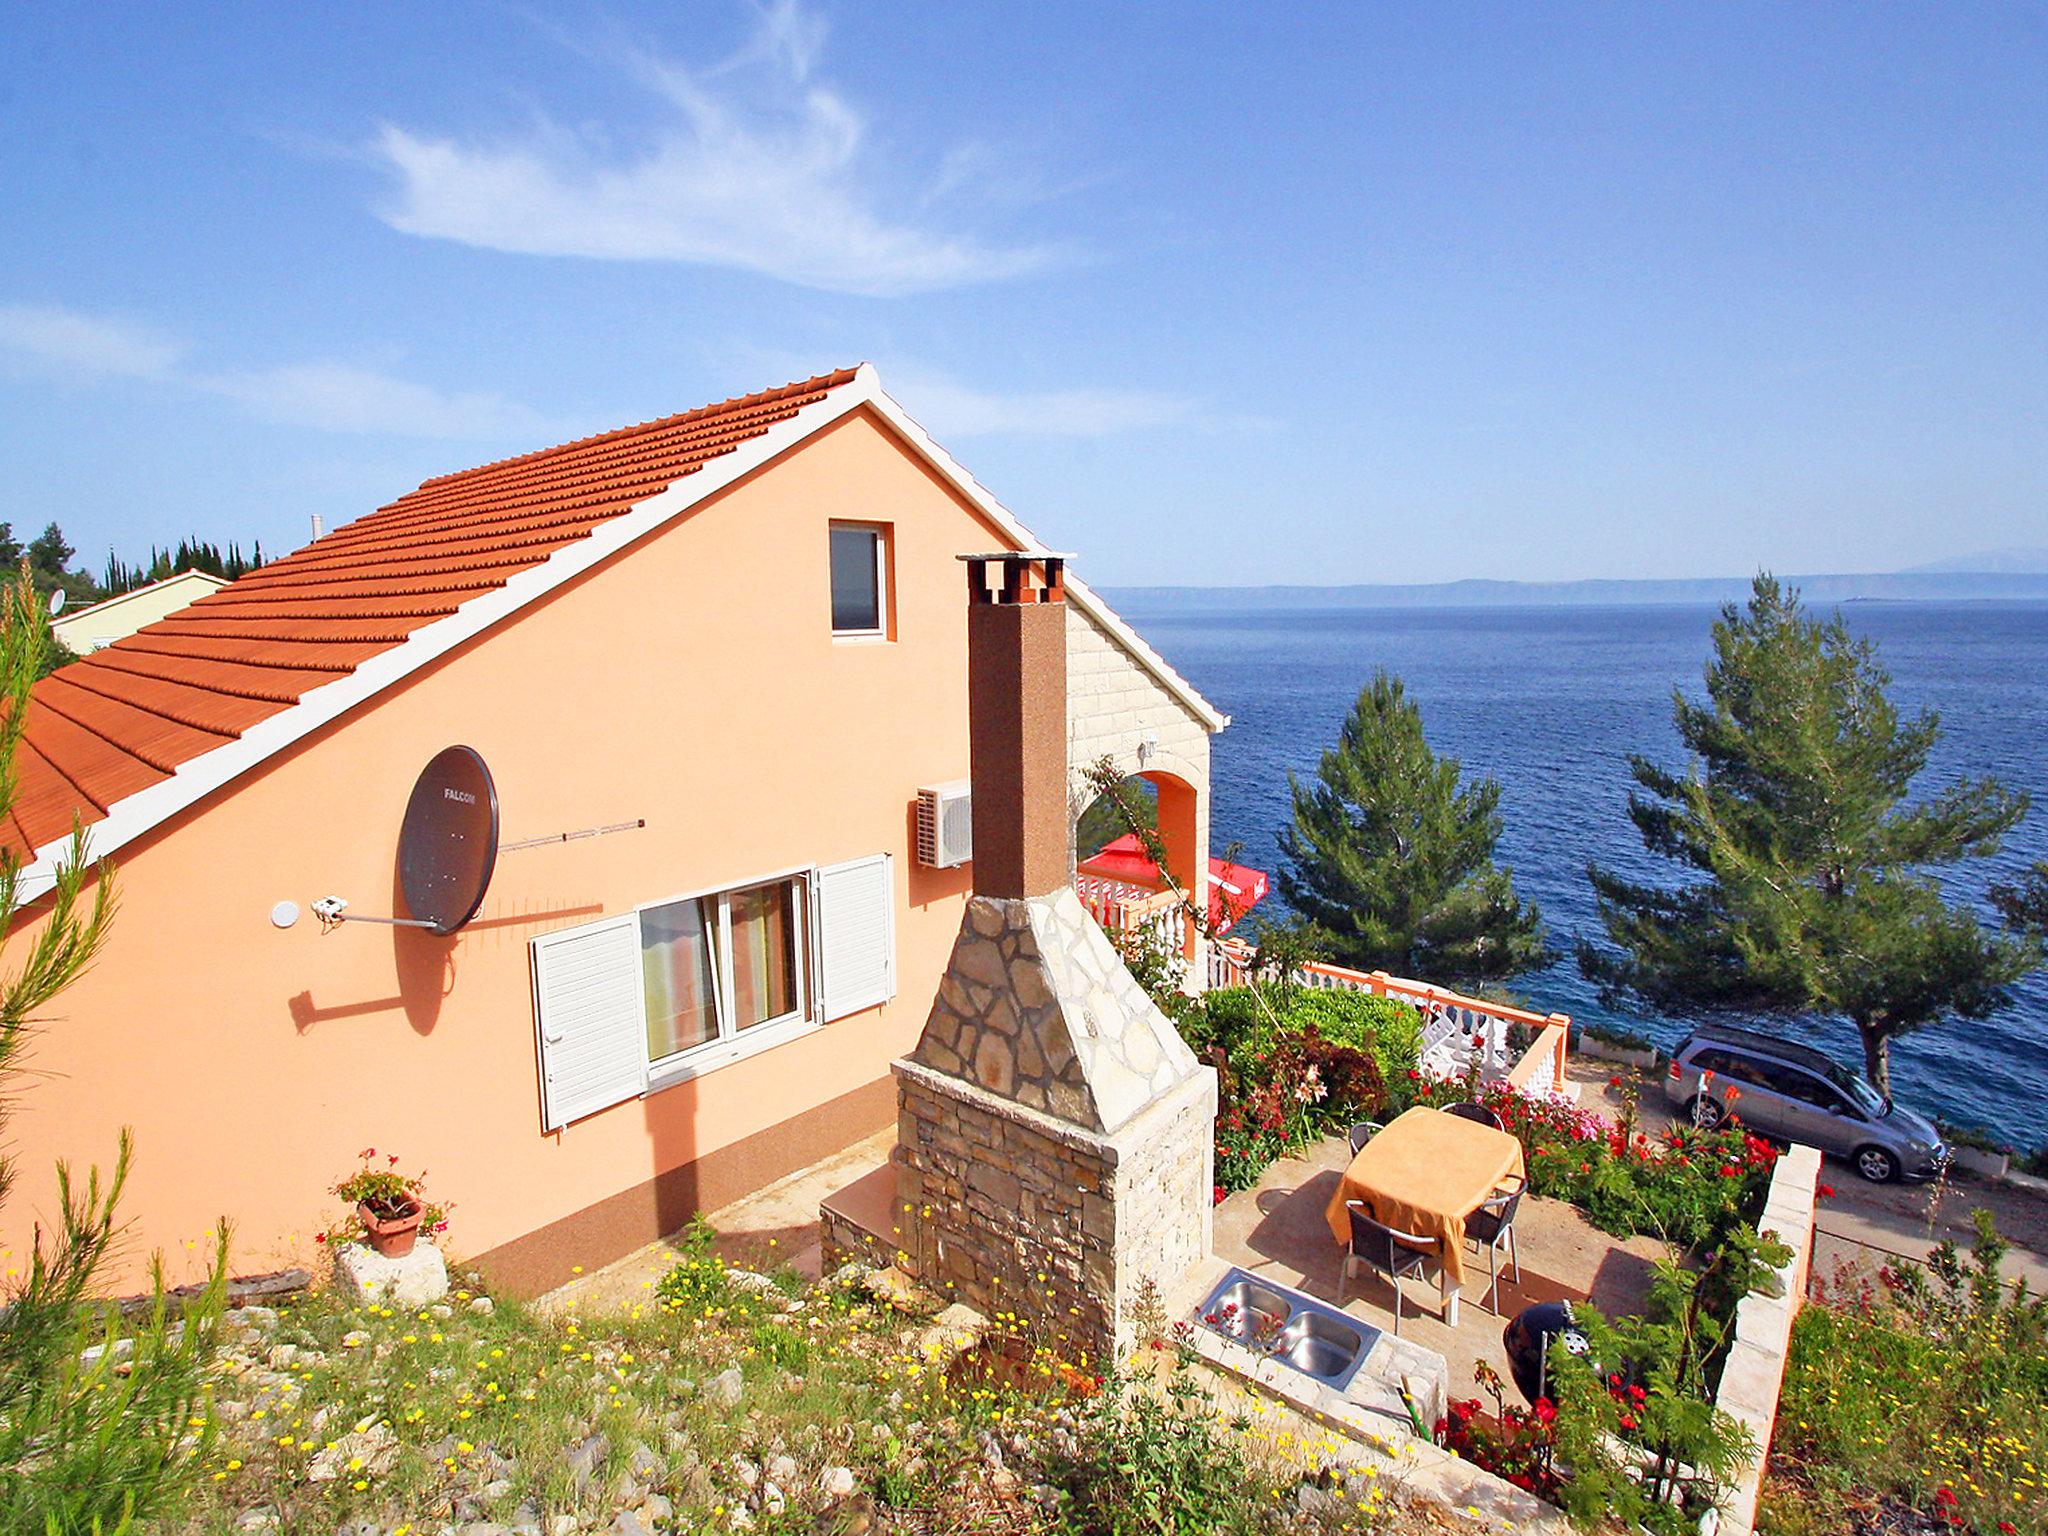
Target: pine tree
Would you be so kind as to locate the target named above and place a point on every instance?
(1393, 859)
(2025, 906)
(1809, 884)
(49, 560)
(91, 1437)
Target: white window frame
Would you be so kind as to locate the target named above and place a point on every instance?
(880, 532)
(735, 1044)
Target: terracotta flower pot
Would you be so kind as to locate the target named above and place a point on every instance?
(392, 1235)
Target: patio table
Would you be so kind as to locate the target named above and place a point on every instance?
(1425, 1173)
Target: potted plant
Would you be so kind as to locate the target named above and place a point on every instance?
(391, 1209)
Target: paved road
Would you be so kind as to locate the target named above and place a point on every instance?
(1865, 1224)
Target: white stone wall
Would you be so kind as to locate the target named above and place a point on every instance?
(1754, 1373)
(1115, 707)
(1114, 704)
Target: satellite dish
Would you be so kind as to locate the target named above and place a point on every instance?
(449, 842)
(284, 914)
(56, 602)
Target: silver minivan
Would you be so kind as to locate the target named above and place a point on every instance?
(1791, 1093)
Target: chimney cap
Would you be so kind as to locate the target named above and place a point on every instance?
(1016, 568)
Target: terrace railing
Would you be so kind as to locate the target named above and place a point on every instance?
(1122, 908)
(1457, 1031)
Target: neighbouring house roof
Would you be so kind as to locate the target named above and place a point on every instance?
(114, 615)
(129, 735)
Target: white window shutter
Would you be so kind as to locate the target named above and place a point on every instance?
(588, 1006)
(857, 935)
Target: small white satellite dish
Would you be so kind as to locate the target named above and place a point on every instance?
(56, 602)
(284, 914)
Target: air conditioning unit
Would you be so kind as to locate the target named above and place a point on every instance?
(945, 824)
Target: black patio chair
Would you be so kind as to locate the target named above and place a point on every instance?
(1493, 1225)
(1387, 1250)
(1478, 1114)
(1361, 1133)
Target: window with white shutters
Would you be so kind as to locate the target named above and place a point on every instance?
(856, 935)
(679, 987)
(588, 1011)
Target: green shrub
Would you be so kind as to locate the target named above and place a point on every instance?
(1927, 1388)
(1294, 1065)
(698, 1281)
(1147, 1466)
(1237, 1019)
(101, 1428)
(97, 1419)
(1390, 1030)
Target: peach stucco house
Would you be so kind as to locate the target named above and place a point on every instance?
(744, 626)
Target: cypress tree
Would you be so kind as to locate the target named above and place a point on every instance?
(1392, 857)
(1808, 883)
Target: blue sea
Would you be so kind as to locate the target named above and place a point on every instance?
(1552, 700)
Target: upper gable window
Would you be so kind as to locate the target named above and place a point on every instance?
(860, 579)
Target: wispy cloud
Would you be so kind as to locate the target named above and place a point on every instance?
(331, 396)
(338, 397)
(757, 167)
(90, 345)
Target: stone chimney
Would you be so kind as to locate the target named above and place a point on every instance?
(1054, 1142)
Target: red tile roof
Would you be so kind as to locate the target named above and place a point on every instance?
(124, 718)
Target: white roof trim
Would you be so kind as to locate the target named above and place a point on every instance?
(1078, 591)
(136, 814)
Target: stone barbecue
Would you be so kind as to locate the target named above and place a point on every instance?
(1054, 1133)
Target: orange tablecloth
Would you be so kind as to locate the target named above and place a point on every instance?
(1426, 1173)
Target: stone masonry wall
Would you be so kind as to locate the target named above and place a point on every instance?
(1012, 1211)
(995, 1202)
(1114, 704)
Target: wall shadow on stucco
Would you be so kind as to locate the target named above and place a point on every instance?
(306, 1013)
(677, 1192)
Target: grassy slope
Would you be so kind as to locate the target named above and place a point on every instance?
(842, 1422)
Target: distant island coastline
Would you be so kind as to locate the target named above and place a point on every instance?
(1899, 586)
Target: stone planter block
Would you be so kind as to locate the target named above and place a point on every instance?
(368, 1278)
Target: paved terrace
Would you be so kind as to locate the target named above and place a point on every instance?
(1277, 1230)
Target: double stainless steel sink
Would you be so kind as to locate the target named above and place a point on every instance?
(1285, 1325)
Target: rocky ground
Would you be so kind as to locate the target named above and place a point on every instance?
(737, 1403)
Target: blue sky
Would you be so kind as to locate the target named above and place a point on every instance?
(1209, 293)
